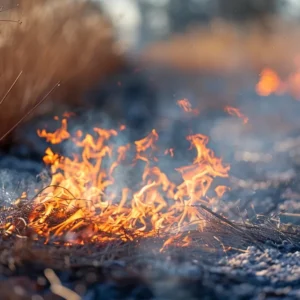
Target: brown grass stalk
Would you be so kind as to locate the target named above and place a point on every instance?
(63, 41)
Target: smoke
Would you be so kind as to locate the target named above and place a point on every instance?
(14, 183)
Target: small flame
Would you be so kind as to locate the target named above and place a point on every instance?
(68, 114)
(236, 112)
(169, 152)
(122, 127)
(269, 83)
(187, 106)
(58, 136)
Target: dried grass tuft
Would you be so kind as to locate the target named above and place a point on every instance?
(52, 41)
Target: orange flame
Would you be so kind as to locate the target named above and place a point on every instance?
(269, 83)
(90, 198)
(169, 152)
(187, 106)
(235, 112)
(58, 136)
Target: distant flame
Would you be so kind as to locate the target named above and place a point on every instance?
(236, 112)
(87, 202)
(270, 83)
(187, 106)
(169, 152)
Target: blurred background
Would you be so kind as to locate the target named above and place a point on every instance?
(141, 22)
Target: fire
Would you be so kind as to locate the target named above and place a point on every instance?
(169, 152)
(236, 112)
(270, 83)
(187, 106)
(107, 192)
(58, 136)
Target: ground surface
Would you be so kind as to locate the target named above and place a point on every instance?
(251, 254)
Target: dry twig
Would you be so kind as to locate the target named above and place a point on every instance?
(58, 289)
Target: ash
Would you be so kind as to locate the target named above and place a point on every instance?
(252, 274)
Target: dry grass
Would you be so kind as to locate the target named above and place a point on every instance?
(55, 41)
(219, 236)
(224, 47)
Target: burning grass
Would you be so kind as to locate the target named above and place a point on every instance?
(90, 199)
(161, 230)
(116, 198)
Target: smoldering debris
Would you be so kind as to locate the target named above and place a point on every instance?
(133, 271)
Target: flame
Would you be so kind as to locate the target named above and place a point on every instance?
(169, 152)
(236, 112)
(58, 136)
(187, 106)
(89, 201)
(270, 83)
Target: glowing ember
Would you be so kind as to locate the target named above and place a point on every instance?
(91, 199)
(235, 112)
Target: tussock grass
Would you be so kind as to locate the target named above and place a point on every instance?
(53, 41)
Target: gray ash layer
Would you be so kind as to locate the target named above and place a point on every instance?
(267, 274)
